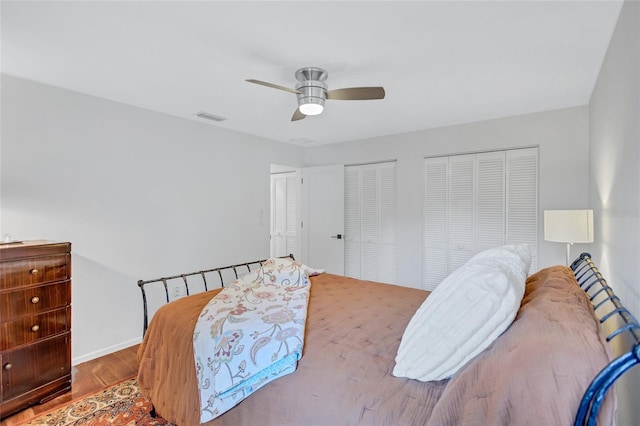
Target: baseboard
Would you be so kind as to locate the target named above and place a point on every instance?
(105, 351)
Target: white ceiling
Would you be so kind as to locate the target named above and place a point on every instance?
(441, 63)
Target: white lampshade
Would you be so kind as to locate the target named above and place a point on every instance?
(568, 226)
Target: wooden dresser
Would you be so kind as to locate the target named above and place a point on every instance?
(35, 323)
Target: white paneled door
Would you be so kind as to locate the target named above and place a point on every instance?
(284, 214)
(323, 218)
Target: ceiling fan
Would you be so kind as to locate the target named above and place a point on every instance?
(311, 91)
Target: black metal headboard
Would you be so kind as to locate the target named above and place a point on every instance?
(217, 275)
(604, 299)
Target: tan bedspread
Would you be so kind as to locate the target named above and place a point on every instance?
(344, 377)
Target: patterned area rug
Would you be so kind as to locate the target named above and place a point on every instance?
(121, 404)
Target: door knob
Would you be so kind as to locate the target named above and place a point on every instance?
(339, 236)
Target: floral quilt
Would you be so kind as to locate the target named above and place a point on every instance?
(250, 334)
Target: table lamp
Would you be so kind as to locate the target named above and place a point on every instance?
(568, 226)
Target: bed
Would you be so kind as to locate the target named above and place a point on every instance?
(552, 365)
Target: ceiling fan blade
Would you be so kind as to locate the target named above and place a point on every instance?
(297, 115)
(356, 93)
(275, 86)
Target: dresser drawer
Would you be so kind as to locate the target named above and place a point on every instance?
(32, 328)
(34, 300)
(35, 365)
(35, 270)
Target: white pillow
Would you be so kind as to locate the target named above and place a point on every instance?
(312, 271)
(466, 312)
(521, 251)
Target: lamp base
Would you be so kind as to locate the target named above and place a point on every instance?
(569, 253)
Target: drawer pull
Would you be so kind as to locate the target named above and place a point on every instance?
(33, 271)
(8, 366)
(35, 299)
(35, 328)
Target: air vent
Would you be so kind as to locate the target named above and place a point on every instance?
(211, 117)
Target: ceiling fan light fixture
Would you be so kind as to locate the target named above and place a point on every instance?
(311, 108)
(312, 96)
(311, 91)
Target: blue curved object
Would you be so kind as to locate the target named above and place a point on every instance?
(597, 390)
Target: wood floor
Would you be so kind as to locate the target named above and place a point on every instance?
(86, 378)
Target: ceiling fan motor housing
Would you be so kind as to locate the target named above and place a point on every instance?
(311, 85)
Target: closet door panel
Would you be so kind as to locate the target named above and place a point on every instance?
(370, 222)
(369, 206)
(352, 236)
(387, 204)
(369, 215)
(461, 209)
(522, 200)
(369, 261)
(435, 209)
(387, 259)
(490, 200)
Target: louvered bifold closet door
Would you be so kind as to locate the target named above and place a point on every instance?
(461, 209)
(473, 202)
(490, 200)
(522, 200)
(435, 208)
(387, 256)
(352, 235)
(370, 222)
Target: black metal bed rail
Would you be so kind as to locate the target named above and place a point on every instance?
(238, 269)
(602, 295)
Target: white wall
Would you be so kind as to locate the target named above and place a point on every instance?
(139, 194)
(614, 179)
(615, 157)
(562, 136)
